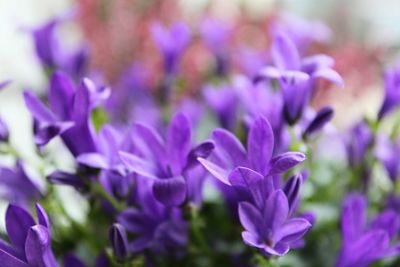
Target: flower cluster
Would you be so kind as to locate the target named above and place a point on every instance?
(174, 174)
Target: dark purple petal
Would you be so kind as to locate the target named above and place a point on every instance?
(8, 260)
(323, 116)
(42, 216)
(119, 241)
(18, 222)
(140, 244)
(4, 132)
(46, 133)
(388, 221)
(292, 188)
(218, 172)
(244, 177)
(285, 162)
(65, 178)
(178, 142)
(61, 93)
(72, 261)
(260, 145)
(202, 150)
(38, 247)
(134, 221)
(81, 104)
(170, 191)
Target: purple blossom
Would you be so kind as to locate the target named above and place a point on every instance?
(357, 142)
(229, 153)
(392, 91)
(119, 242)
(171, 41)
(30, 241)
(388, 153)
(68, 115)
(363, 243)
(16, 186)
(323, 116)
(167, 162)
(270, 229)
(156, 226)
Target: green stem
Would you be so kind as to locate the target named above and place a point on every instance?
(97, 189)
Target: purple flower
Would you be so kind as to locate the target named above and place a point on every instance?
(270, 229)
(357, 143)
(171, 41)
(53, 55)
(388, 153)
(68, 115)
(4, 133)
(323, 116)
(30, 241)
(156, 226)
(224, 103)
(16, 186)
(167, 162)
(296, 76)
(229, 153)
(216, 35)
(364, 243)
(119, 242)
(392, 91)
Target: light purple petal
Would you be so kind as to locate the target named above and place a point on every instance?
(61, 95)
(170, 191)
(251, 240)
(330, 75)
(250, 218)
(284, 53)
(218, 172)
(42, 216)
(153, 141)
(94, 160)
(354, 216)
(230, 145)
(276, 210)
(137, 165)
(292, 230)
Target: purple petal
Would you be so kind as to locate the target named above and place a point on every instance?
(353, 217)
(81, 105)
(260, 145)
(170, 191)
(4, 84)
(280, 249)
(119, 241)
(94, 160)
(252, 240)
(330, 75)
(230, 145)
(218, 172)
(61, 95)
(244, 177)
(250, 218)
(134, 221)
(140, 244)
(203, 150)
(284, 53)
(153, 141)
(292, 188)
(46, 133)
(38, 247)
(292, 230)
(137, 165)
(285, 161)
(388, 221)
(8, 260)
(178, 142)
(18, 222)
(64, 178)
(73, 261)
(42, 216)
(323, 116)
(276, 210)
(36, 107)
